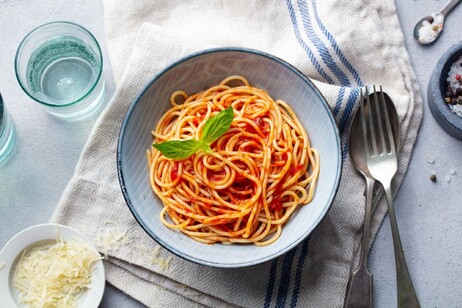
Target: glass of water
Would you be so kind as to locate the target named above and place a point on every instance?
(7, 136)
(60, 65)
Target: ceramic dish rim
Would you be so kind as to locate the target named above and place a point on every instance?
(295, 242)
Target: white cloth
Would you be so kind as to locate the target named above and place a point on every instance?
(341, 45)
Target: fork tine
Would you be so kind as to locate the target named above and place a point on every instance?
(372, 136)
(389, 131)
(379, 106)
(363, 121)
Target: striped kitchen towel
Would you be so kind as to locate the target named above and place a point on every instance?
(340, 45)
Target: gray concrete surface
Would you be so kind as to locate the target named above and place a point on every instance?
(429, 214)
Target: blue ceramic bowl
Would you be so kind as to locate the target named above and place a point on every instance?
(198, 72)
(436, 92)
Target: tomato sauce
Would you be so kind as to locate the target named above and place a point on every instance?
(276, 204)
(174, 172)
(296, 169)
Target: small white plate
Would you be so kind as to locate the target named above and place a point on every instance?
(10, 254)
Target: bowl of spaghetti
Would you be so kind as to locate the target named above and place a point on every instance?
(229, 157)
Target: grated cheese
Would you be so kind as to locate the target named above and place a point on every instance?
(2, 265)
(110, 240)
(54, 274)
(156, 259)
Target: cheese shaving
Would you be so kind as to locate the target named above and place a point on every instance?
(110, 240)
(2, 265)
(54, 274)
(163, 263)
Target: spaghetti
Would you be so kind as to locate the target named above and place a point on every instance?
(248, 186)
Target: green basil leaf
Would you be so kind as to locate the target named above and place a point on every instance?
(179, 149)
(217, 125)
(213, 129)
(205, 147)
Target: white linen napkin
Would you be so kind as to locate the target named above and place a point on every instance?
(341, 45)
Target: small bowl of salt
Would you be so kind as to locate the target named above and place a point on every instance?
(444, 92)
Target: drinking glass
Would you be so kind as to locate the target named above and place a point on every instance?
(7, 135)
(60, 65)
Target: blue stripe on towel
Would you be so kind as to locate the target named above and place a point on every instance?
(320, 46)
(270, 287)
(345, 151)
(305, 47)
(353, 97)
(285, 278)
(336, 48)
(298, 273)
(338, 104)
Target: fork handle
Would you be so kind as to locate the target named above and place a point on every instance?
(359, 293)
(407, 297)
(359, 289)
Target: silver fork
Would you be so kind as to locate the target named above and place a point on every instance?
(382, 162)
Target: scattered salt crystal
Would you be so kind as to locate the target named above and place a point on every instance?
(457, 109)
(452, 171)
(430, 161)
(447, 178)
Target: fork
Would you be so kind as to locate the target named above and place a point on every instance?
(382, 162)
